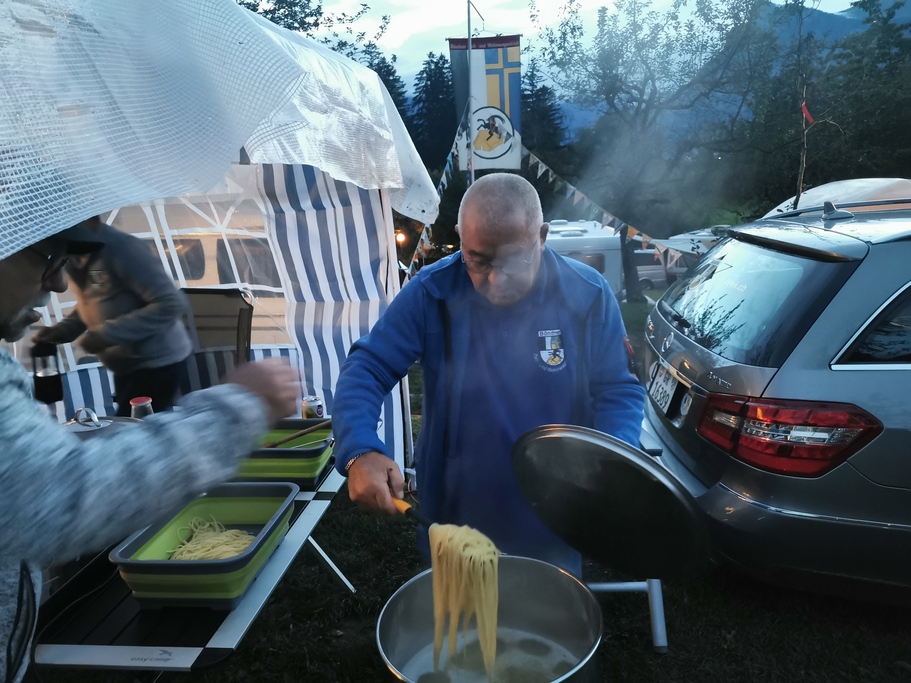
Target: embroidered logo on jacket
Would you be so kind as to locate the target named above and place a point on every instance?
(550, 347)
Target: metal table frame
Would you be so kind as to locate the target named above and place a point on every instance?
(235, 623)
(655, 604)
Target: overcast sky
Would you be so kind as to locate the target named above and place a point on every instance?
(422, 26)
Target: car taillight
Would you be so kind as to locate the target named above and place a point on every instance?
(800, 438)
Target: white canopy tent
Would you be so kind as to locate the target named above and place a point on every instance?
(139, 109)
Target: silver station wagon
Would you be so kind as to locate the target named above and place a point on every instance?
(780, 393)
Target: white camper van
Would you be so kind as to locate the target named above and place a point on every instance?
(592, 244)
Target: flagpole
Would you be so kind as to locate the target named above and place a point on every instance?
(470, 105)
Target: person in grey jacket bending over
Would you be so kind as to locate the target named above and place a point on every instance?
(62, 497)
(129, 314)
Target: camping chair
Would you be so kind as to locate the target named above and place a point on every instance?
(220, 323)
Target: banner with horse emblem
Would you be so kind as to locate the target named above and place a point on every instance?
(488, 88)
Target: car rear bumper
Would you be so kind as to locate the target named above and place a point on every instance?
(763, 537)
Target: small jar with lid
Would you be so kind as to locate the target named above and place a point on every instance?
(140, 407)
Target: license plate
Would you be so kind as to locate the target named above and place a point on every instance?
(662, 387)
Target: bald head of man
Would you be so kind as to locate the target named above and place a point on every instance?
(502, 231)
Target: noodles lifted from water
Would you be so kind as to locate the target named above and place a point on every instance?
(464, 573)
(211, 541)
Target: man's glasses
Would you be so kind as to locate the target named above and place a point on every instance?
(55, 263)
(514, 265)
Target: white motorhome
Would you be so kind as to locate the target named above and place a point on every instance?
(592, 244)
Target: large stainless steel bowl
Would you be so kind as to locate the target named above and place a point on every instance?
(548, 629)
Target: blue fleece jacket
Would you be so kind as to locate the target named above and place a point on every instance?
(490, 374)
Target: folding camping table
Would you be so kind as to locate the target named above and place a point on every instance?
(93, 621)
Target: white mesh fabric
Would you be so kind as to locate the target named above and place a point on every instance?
(106, 103)
(342, 120)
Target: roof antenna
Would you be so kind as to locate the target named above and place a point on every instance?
(830, 213)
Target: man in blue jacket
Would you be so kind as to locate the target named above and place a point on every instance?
(510, 336)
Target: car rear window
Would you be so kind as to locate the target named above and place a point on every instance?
(889, 338)
(752, 304)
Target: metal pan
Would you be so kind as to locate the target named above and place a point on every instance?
(549, 627)
(612, 502)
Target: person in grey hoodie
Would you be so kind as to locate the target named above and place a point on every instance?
(129, 314)
(63, 497)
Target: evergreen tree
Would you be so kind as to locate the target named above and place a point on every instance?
(385, 69)
(433, 111)
(543, 132)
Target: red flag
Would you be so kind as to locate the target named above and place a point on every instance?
(806, 113)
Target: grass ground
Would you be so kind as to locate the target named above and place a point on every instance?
(634, 316)
(721, 626)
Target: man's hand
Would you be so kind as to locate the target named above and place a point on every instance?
(373, 480)
(92, 342)
(274, 381)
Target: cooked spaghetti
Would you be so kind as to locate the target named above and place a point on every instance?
(464, 563)
(211, 541)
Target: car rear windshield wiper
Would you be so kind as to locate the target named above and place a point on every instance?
(682, 323)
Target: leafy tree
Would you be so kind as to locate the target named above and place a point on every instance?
(302, 16)
(766, 143)
(433, 111)
(308, 17)
(663, 82)
(856, 92)
(869, 78)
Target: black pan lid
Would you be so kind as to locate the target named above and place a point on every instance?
(611, 502)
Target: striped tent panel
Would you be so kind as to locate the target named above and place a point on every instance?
(338, 262)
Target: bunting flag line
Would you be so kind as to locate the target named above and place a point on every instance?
(568, 190)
